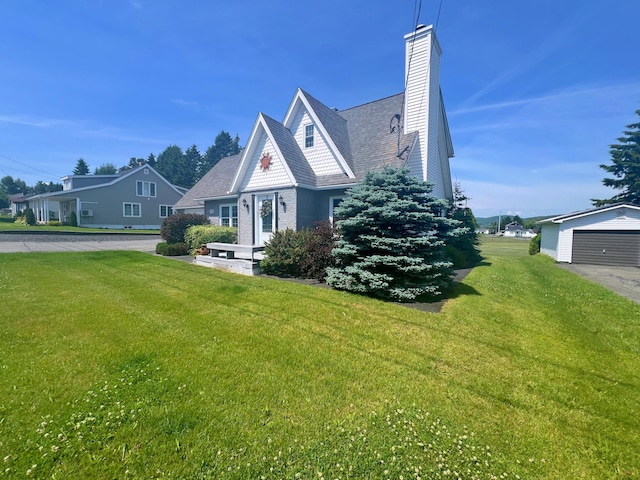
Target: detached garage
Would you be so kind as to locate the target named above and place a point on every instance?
(607, 235)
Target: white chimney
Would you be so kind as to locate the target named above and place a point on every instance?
(423, 109)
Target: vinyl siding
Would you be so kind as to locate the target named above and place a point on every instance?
(257, 178)
(549, 240)
(607, 220)
(320, 157)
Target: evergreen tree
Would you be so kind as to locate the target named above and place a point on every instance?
(169, 163)
(151, 160)
(625, 168)
(191, 161)
(224, 146)
(390, 244)
(81, 168)
(463, 243)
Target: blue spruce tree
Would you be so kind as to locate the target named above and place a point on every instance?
(390, 246)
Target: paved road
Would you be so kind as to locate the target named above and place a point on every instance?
(43, 242)
(624, 281)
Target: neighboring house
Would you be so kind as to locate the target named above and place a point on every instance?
(608, 235)
(514, 229)
(137, 198)
(18, 203)
(295, 172)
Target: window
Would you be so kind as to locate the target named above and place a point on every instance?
(145, 189)
(308, 136)
(131, 209)
(334, 202)
(166, 210)
(229, 215)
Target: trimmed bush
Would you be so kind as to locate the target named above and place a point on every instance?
(54, 223)
(285, 253)
(302, 254)
(534, 244)
(319, 246)
(30, 218)
(175, 226)
(196, 235)
(172, 249)
(73, 219)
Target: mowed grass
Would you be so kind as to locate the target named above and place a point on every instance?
(122, 364)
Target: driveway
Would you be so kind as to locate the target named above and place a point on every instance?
(86, 242)
(624, 281)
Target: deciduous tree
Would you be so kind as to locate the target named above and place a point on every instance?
(106, 169)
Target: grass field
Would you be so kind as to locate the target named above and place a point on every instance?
(127, 365)
(7, 224)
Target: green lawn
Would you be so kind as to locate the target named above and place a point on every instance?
(8, 225)
(122, 364)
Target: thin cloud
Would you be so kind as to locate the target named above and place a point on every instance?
(118, 135)
(184, 103)
(31, 121)
(630, 87)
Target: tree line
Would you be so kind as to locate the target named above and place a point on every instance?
(182, 168)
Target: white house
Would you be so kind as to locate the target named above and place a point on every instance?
(608, 235)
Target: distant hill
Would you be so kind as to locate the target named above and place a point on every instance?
(488, 221)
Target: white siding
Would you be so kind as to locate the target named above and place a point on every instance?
(422, 105)
(607, 220)
(549, 240)
(273, 177)
(320, 158)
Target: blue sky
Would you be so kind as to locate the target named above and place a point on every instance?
(535, 91)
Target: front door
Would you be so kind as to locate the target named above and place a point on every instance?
(266, 218)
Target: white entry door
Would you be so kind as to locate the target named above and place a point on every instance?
(266, 218)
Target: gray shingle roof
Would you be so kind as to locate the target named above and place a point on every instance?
(361, 134)
(373, 145)
(215, 183)
(294, 157)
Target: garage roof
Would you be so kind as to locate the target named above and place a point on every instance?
(591, 211)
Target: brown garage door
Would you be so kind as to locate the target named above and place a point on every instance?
(604, 247)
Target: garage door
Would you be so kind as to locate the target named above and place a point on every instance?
(603, 247)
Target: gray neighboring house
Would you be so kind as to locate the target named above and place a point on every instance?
(139, 198)
(295, 172)
(608, 235)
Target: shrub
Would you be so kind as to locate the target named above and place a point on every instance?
(285, 253)
(318, 251)
(54, 223)
(73, 219)
(534, 245)
(196, 235)
(172, 249)
(175, 226)
(30, 218)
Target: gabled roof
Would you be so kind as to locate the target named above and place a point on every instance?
(361, 135)
(215, 183)
(591, 211)
(373, 144)
(116, 178)
(293, 156)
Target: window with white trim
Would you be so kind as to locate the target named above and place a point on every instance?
(166, 210)
(308, 136)
(334, 202)
(131, 209)
(229, 215)
(145, 189)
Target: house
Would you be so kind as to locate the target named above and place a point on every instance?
(295, 172)
(608, 235)
(516, 230)
(139, 198)
(18, 203)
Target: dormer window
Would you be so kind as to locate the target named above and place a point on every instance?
(308, 136)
